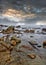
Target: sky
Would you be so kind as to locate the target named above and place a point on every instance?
(27, 11)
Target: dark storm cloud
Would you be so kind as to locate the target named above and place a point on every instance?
(36, 7)
(25, 5)
(39, 3)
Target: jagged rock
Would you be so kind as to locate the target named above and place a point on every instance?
(32, 56)
(9, 30)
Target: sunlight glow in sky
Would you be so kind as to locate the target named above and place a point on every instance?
(19, 16)
(41, 23)
(15, 15)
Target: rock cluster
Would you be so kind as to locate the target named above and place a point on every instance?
(29, 31)
(11, 53)
(6, 49)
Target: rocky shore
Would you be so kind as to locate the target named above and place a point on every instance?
(18, 46)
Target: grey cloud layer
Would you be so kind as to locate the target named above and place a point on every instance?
(34, 6)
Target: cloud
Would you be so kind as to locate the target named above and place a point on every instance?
(16, 15)
(33, 11)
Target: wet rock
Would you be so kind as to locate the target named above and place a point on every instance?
(32, 31)
(10, 59)
(3, 31)
(8, 46)
(31, 36)
(16, 40)
(19, 50)
(32, 56)
(39, 46)
(33, 42)
(44, 44)
(13, 42)
(27, 47)
(18, 26)
(33, 45)
(7, 57)
(2, 48)
(2, 39)
(29, 31)
(4, 55)
(3, 25)
(9, 30)
(18, 32)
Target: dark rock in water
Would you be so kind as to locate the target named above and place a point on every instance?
(33, 45)
(33, 42)
(18, 26)
(39, 46)
(31, 36)
(44, 44)
(3, 25)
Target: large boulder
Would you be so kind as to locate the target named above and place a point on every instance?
(9, 30)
